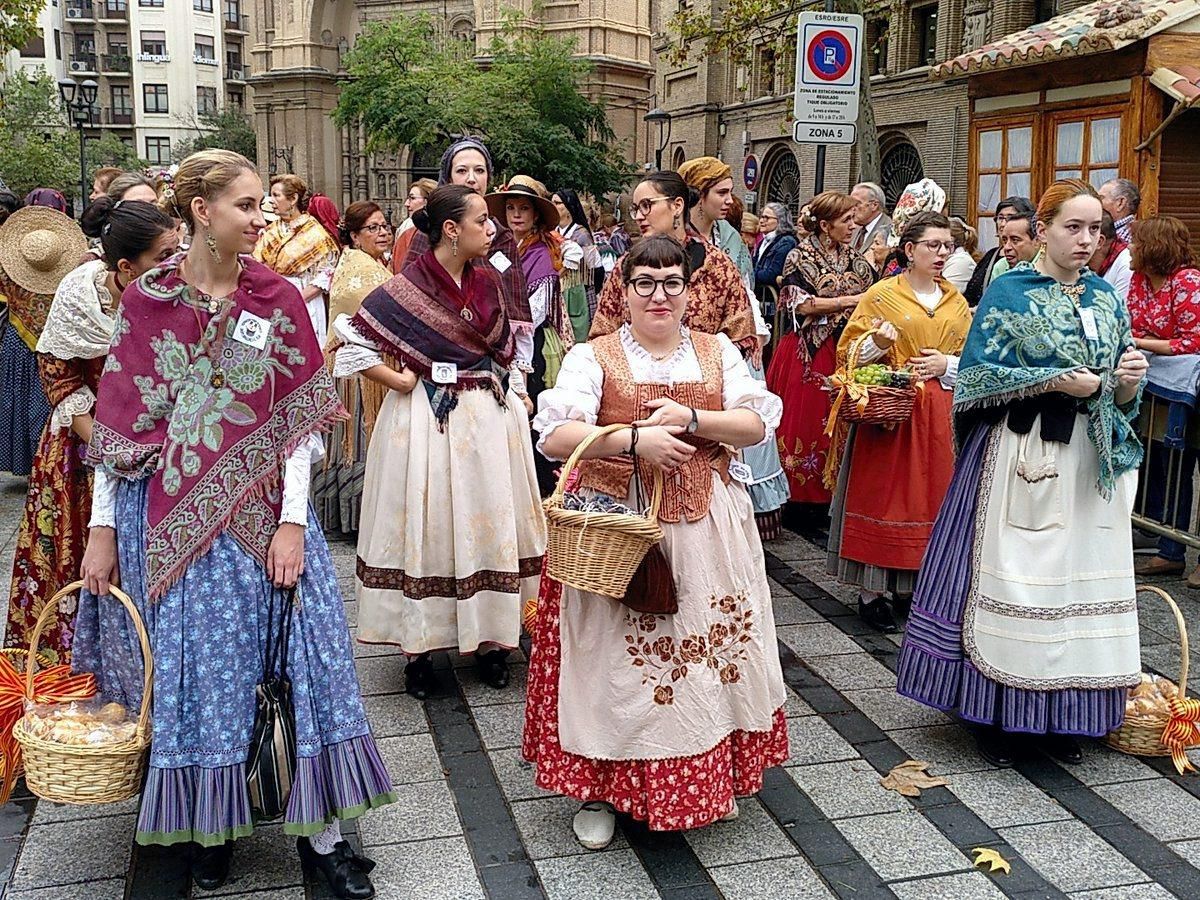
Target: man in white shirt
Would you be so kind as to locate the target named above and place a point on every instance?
(870, 215)
(1111, 259)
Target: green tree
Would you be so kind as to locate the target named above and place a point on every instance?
(229, 128)
(18, 23)
(408, 86)
(36, 147)
(110, 150)
(736, 28)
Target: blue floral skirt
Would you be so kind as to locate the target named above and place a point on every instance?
(208, 635)
(24, 408)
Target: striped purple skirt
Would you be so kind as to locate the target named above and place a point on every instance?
(933, 668)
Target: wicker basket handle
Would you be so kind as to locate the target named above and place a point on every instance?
(43, 621)
(577, 455)
(1180, 624)
(855, 350)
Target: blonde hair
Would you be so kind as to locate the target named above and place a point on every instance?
(426, 186)
(204, 174)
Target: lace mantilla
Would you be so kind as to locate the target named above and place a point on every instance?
(80, 323)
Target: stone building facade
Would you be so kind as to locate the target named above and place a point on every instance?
(300, 45)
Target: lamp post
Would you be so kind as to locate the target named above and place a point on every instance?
(78, 101)
(662, 118)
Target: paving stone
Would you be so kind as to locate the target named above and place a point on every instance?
(789, 609)
(1161, 807)
(753, 835)
(597, 876)
(480, 694)
(47, 813)
(380, 674)
(351, 611)
(500, 726)
(395, 714)
(1146, 891)
(515, 775)
(902, 845)
(859, 671)
(1002, 797)
(844, 789)
(780, 879)
(411, 758)
(108, 889)
(362, 650)
(1072, 856)
(1103, 765)
(1189, 850)
(949, 749)
(431, 870)
(421, 811)
(95, 849)
(890, 711)
(265, 860)
(967, 886)
(821, 639)
(812, 740)
(546, 832)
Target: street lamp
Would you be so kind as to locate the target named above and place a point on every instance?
(78, 101)
(662, 118)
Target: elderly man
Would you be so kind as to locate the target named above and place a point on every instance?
(1017, 242)
(1005, 210)
(870, 215)
(1111, 261)
(1121, 198)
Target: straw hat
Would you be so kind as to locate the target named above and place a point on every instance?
(39, 246)
(527, 189)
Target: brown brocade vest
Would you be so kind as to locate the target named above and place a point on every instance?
(687, 490)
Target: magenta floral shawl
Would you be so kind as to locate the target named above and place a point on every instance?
(209, 419)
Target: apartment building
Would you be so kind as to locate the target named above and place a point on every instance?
(159, 64)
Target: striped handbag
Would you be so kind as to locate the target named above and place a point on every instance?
(272, 762)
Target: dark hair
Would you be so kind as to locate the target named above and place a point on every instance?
(1020, 204)
(447, 204)
(1029, 218)
(571, 201)
(1108, 227)
(735, 213)
(355, 217)
(674, 187)
(656, 251)
(126, 228)
(1162, 245)
(915, 230)
(9, 204)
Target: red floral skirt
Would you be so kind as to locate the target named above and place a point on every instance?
(668, 794)
(803, 444)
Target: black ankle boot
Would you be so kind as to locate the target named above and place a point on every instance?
(419, 679)
(878, 615)
(997, 746)
(1063, 747)
(210, 866)
(346, 873)
(493, 667)
(902, 605)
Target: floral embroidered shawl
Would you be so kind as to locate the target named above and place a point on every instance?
(1027, 335)
(209, 419)
(295, 247)
(717, 300)
(26, 311)
(813, 270)
(356, 275)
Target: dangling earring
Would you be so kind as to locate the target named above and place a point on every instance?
(454, 246)
(211, 244)
(678, 220)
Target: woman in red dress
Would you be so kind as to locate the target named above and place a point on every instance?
(823, 280)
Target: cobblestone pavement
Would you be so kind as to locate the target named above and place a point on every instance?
(470, 823)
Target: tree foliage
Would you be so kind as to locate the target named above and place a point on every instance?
(410, 87)
(18, 23)
(36, 147)
(742, 26)
(229, 128)
(110, 150)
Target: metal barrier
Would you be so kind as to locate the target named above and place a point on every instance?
(1165, 498)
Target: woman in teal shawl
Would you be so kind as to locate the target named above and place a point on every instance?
(1024, 619)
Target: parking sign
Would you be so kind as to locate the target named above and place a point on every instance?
(828, 68)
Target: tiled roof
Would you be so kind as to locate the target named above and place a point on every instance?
(1182, 83)
(1099, 27)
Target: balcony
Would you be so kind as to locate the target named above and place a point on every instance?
(236, 70)
(82, 64)
(77, 11)
(117, 117)
(237, 22)
(116, 64)
(113, 12)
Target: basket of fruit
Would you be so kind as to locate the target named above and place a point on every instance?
(873, 394)
(1160, 720)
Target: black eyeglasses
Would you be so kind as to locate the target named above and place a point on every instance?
(672, 285)
(375, 228)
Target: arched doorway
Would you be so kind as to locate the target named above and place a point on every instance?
(782, 184)
(678, 158)
(901, 167)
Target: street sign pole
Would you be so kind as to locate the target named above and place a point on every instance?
(819, 178)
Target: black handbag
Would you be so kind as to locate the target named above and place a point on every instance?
(272, 763)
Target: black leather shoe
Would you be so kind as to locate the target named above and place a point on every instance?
(878, 615)
(902, 605)
(419, 678)
(996, 746)
(493, 667)
(346, 872)
(210, 866)
(1064, 748)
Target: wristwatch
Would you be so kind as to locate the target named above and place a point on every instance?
(694, 424)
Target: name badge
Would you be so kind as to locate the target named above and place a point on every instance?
(445, 373)
(739, 471)
(252, 330)
(1088, 317)
(500, 262)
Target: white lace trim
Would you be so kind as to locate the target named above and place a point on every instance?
(79, 324)
(660, 369)
(78, 403)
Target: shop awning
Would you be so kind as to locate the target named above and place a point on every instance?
(1100, 27)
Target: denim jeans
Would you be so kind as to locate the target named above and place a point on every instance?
(1162, 502)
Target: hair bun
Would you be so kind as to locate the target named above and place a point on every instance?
(422, 222)
(95, 218)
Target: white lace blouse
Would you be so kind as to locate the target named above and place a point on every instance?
(575, 397)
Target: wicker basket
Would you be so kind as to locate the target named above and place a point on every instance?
(597, 551)
(886, 406)
(1141, 734)
(86, 775)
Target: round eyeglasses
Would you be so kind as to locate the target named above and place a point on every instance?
(672, 285)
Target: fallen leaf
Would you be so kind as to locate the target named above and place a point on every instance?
(986, 855)
(910, 777)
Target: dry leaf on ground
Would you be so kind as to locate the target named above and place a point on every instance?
(986, 855)
(910, 777)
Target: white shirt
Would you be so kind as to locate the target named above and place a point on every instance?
(861, 237)
(1119, 274)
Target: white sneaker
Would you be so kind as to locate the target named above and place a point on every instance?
(594, 825)
(732, 814)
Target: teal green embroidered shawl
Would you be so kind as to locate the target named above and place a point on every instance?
(1027, 334)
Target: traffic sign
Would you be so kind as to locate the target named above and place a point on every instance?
(828, 72)
(750, 172)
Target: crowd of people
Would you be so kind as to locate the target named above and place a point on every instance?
(203, 378)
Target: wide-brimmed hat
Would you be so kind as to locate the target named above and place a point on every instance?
(547, 211)
(39, 246)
